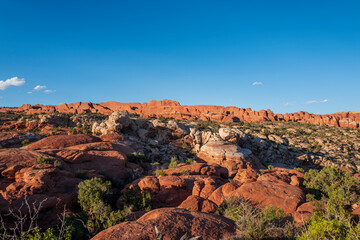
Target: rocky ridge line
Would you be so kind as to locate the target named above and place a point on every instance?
(173, 109)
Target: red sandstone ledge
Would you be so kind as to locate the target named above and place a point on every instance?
(173, 109)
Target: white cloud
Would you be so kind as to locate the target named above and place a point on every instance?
(39, 87)
(49, 91)
(314, 101)
(257, 83)
(287, 104)
(15, 81)
(29, 92)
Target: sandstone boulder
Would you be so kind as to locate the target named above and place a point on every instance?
(196, 203)
(173, 223)
(276, 194)
(62, 141)
(229, 156)
(14, 156)
(13, 138)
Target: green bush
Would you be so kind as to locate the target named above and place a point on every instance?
(173, 162)
(257, 223)
(35, 130)
(266, 132)
(337, 191)
(189, 161)
(72, 130)
(93, 198)
(184, 172)
(85, 129)
(160, 172)
(25, 142)
(48, 234)
(333, 185)
(184, 145)
(320, 227)
(43, 160)
(58, 164)
(299, 169)
(134, 199)
(208, 126)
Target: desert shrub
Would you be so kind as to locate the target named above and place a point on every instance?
(184, 145)
(93, 198)
(43, 160)
(208, 126)
(331, 220)
(25, 142)
(189, 161)
(48, 234)
(317, 148)
(34, 130)
(85, 129)
(184, 172)
(163, 119)
(160, 172)
(266, 132)
(321, 227)
(270, 166)
(72, 130)
(80, 173)
(25, 225)
(134, 199)
(173, 162)
(257, 223)
(333, 185)
(299, 169)
(137, 157)
(58, 164)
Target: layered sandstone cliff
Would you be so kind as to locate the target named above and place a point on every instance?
(173, 109)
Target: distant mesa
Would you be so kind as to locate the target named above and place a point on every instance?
(173, 109)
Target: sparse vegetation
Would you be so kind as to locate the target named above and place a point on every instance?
(160, 172)
(189, 161)
(94, 195)
(173, 162)
(25, 142)
(43, 160)
(257, 223)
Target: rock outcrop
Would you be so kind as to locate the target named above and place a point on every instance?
(173, 109)
(173, 223)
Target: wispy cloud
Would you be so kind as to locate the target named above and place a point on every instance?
(287, 104)
(15, 81)
(315, 101)
(257, 83)
(39, 87)
(49, 91)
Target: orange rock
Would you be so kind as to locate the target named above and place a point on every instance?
(61, 141)
(276, 194)
(173, 109)
(173, 223)
(196, 203)
(304, 212)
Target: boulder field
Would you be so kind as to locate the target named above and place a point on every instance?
(189, 172)
(173, 109)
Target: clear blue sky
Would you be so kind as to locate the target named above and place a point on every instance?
(303, 55)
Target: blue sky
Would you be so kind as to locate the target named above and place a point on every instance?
(283, 55)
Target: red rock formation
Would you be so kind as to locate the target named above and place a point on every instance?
(173, 109)
(173, 223)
